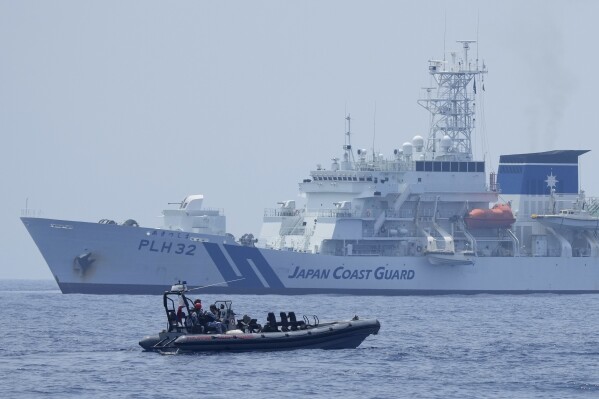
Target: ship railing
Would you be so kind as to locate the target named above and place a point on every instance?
(383, 165)
(331, 213)
(196, 212)
(407, 214)
(219, 210)
(32, 213)
(391, 233)
(273, 212)
(208, 211)
(424, 214)
(401, 214)
(551, 253)
(293, 231)
(592, 205)
(361, 252)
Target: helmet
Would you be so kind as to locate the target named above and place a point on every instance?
(198, 305)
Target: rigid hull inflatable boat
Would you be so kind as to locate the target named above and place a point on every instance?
(190, 329)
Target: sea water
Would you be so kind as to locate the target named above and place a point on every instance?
(459, 346)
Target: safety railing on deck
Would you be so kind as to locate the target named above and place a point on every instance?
(331, 213)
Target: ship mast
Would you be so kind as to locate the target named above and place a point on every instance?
(453, 108)
(348, 156)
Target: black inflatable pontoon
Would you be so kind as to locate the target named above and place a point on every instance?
(191, 330)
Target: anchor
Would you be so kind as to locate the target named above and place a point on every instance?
(83, 262)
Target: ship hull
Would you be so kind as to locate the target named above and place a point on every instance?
(93, 258)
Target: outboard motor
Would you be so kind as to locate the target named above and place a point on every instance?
(131, 223)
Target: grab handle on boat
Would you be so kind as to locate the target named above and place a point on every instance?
(314, 317)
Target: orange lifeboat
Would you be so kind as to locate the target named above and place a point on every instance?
(498, 217)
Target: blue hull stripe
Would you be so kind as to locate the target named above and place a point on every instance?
(241, 255)
(223, 265)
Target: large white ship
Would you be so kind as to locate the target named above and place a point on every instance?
(426, 220)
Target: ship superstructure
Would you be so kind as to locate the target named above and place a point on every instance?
(426, 219)
(407, 205)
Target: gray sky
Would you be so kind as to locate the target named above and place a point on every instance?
(112, 109)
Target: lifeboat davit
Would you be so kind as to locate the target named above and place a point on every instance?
(498, 217)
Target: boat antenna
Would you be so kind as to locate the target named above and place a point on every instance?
(349, 153)
(348, 132)
(211, 285)
(444, 34)
(373, 132)
(477, 42)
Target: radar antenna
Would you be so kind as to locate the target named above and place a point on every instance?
(452, 108)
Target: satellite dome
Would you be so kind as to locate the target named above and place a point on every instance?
(446, 143)
(418, 143)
